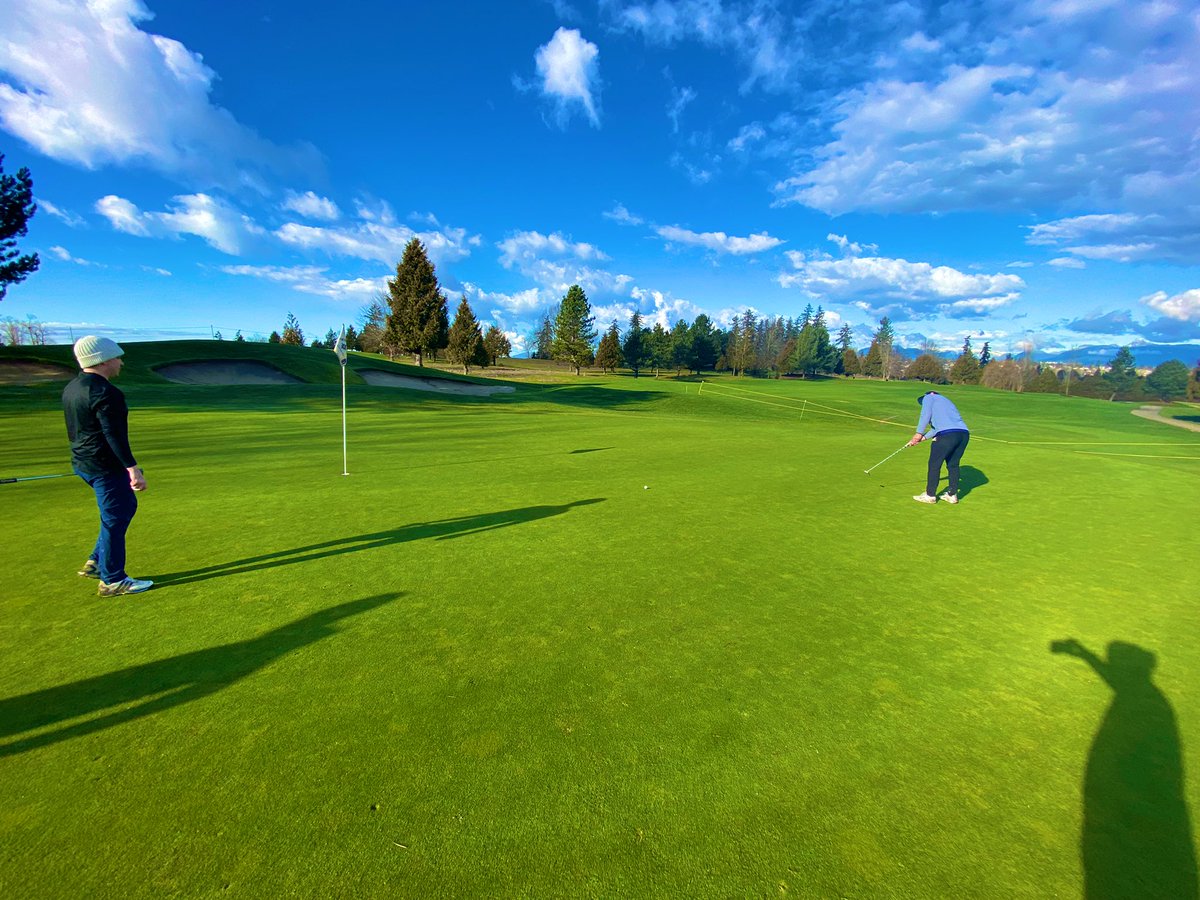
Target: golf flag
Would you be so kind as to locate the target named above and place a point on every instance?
(339, 346)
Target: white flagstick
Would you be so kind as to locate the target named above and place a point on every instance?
(340, 349)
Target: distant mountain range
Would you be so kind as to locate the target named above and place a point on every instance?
(1144, 355)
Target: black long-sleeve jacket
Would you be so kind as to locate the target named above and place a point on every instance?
(97, 424)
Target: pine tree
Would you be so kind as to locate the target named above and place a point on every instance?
(497, 345)
(464, 345)
(965, 369)
(1121, 374)
(1169, 380)
(985, 355)
(851, 365)
(660, 348)
(609, 356)
(275, 338)
(352, 341)
(373, 320)
(238, 337)
(704, 345)
(884, 338)
(574, 333)
(16, 209)
(681, 346)
(291, 332)
(635, 350)
(740, 352)
(416, 322)
(845, 337)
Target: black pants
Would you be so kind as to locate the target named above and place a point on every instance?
(947, 447)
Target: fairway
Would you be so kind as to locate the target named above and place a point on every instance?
(610, 637)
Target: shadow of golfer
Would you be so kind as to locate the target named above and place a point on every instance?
(1137, 835)
(442, 529)
(969, 478)
(153, 687)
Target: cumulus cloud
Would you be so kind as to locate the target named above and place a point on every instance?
(1067, 262)
(902, 285)
(988, 124)
(529, 245)
(311, 206)
(202, 215)
(569, 69)
(1184, 306)
(313, 280)
(664, 309)
(87, 86)
(719, 241)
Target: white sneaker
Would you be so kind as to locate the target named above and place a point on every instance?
(924, 498)
(948, 497)
(128, 586)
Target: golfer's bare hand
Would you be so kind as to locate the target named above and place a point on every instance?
(137, 479)
(916, 439)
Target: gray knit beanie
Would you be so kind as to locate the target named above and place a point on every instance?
(91, 350)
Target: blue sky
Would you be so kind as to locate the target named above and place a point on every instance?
(1020, 172)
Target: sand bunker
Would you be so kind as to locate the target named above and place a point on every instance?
(438, 385)
(225, 372)
(21, 372)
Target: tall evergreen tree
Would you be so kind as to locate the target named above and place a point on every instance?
(660, 348)
(608, 355)
(704, 345)
(1169, 380)
(1121, 374)
(416, 322)
(464, 345)
(291, 332)
(372, 320)
(985, 355)
(681, 346)
(635, 349)
(851, 365)
(574, 333)
(965, 369)
(497, 345)
(845, 337)
(543, 339)
(740, 352)
(16, 209)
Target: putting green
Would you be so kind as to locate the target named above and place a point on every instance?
(491, 663)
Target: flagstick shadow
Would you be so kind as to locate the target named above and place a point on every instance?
(160, 685)
(442, 529)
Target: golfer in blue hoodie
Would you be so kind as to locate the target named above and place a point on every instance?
(947, 442)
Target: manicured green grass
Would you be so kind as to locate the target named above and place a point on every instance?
(491, 663)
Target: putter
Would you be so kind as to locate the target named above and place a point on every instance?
(882, 461)
(30, 478)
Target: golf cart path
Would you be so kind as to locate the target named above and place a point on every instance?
(1154, 414)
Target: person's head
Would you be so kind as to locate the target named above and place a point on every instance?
(100, 355)
(921, 399)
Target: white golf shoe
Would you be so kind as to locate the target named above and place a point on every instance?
(948, 497)
(924, 498)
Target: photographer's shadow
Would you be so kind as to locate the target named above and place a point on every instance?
(1137, 835)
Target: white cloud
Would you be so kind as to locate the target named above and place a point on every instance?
(518, 304)
(570, 74)
(864, 280)
(88, 87)
(201, 215)
(680, 98)
(666, 310)
(313, 280)
(1019, 264)
(719, 241)
(531, 245)
(920, 43)
(311, 206)
(67, 216)
(1184, 306)
(63, 254)
(747, 135)
(375, 240)
(1067, 262)
(620, 214)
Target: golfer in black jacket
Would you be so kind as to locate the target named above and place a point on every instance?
(98, 427)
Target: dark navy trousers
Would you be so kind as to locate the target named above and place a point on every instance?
(945, 447)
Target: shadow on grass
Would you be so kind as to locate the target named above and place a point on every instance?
(163, 684)
(970, 478)
(1137, 834)
(442, 529)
